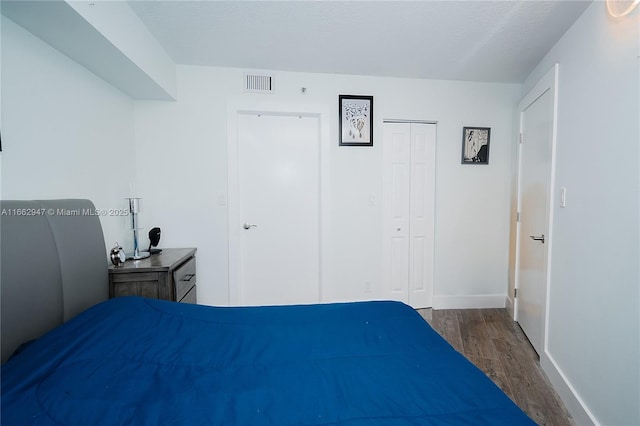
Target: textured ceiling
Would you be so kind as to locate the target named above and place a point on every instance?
(494, 41)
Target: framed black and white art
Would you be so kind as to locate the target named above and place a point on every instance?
(475, 145)
(356, 120)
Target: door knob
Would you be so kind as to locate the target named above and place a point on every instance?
(248, 226)
(540, 238)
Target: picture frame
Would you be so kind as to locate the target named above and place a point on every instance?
(475, 145)
(356, 120)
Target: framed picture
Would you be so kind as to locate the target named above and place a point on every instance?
(475, 145)
(356, 120)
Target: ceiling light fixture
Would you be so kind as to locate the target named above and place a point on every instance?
(615, 11)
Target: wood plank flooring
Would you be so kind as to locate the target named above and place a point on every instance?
(492, 341)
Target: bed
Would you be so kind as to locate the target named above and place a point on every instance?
(132, 360)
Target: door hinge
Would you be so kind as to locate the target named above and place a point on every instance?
(521, 139)
(515, 293)
(517, 216)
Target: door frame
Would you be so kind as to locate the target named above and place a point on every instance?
(548, 83)
(234, 110)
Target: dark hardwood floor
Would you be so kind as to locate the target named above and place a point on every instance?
(491, 340)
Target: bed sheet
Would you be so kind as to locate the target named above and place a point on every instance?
(140, 361)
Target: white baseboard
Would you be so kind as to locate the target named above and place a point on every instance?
(567, 393)
(478, 301)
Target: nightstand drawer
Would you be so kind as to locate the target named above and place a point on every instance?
(190, 297)
(184, 278)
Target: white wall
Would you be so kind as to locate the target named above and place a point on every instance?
(65, 132)
(593, 312)
(182, 176)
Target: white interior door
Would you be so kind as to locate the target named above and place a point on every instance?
(279, 205)
(422, 210)
(536, 153)
(397, 153)
(409, 212)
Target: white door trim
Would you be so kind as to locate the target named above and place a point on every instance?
(234, 109)
(548, 83)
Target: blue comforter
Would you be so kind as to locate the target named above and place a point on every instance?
(140, 361)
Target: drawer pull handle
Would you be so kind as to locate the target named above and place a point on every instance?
(188, 277)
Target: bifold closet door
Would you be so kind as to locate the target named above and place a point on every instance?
(409, 205)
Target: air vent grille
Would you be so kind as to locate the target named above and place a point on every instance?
(258, 83)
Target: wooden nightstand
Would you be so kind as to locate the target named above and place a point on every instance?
(169, 275)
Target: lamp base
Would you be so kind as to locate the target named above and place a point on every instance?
(141, 255)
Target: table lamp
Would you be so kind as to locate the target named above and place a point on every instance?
(134, 209)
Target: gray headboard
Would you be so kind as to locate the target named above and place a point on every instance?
(53, 266)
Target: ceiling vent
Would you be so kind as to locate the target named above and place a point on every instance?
(258, 83)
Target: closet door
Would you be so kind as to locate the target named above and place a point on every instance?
(421, 214)
(409, 201)
(397, 207)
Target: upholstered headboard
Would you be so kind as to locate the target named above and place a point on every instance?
(53, 266)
